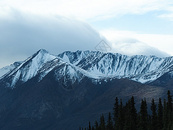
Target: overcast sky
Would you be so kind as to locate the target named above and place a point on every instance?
(143, 27)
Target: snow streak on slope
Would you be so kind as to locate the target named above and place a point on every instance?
(139, 68)
(62, 70)
(29, 68)
(40, 64)
(9, 68)
(72, 67)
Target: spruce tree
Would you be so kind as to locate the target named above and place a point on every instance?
(169, 110)
(109, 123)
(89, 128)
(160, 115)
(96, 125)
(131, 115)
(153, 116)
(143, 116)
(120, 120)
(116, 111)
(102, 123)
(134, 114)
(165, 115)
(169, 101)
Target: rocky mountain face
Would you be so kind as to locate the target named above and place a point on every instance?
(9, 68)
(139, 68)
(66, 91)
(91, 64)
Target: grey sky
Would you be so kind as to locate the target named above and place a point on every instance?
(23, 33)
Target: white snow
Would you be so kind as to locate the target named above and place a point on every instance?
(16, 78)
(95, 65)
(5, 70)
(140, 68)
(30, 67)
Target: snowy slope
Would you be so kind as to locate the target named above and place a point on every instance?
(40, 64)
(139, 68)
(9, 68)
(29, 68)
(72, 67)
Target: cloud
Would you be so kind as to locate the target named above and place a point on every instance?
(87, 9)
(168, 16)
(132, 43)
(21, 35)
(134, 47)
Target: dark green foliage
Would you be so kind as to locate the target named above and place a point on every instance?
(170, 110)
(165, 115)
(96, 125)
(116, 110)
(153, 116)
(80, 128)
(89, 128)
(160, 115)
(169, 102)
(125, 117)
(130, 115)
(102, 123)
(120, 121)
(143, 116)
(109, 125)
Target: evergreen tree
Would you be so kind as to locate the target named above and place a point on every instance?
(131, 115)
(89, 128)
(116, 111)
(120, 120)
(165, 115)
(169, 105)
(153, 116)
(109, 123)
(102, 123)
(160, 115)
(96, 125)
(143, 116)
(131, 118)
(126, 117)
(169, 110)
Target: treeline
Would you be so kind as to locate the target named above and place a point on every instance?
(126, 117)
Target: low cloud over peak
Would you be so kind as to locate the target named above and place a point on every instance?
(135, 47)
(23, 34)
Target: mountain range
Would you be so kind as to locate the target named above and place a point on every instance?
(67, 90)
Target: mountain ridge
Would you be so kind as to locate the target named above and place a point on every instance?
(91, 64)
(48, 92)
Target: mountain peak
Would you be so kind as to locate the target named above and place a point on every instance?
(42, 51)
(91, 64)
(29, 68)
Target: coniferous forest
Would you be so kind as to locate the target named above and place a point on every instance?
(155, 116)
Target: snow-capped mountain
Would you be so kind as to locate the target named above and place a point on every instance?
(57, 91)
(139, 68)
(42, 63)
(72, 67)
(27, 69)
